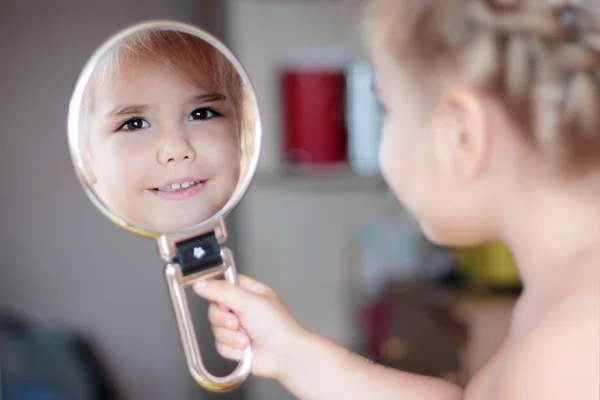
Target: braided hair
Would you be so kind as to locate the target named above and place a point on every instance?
(540, 58)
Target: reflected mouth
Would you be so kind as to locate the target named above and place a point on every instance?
(174, 187)
(184, 189)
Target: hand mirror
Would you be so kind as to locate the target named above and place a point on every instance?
(164, 133)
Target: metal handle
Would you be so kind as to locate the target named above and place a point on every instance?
(176, 283)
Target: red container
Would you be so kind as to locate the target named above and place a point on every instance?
(313, 114)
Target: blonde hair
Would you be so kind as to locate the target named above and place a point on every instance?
(543, 63)
(193, 60)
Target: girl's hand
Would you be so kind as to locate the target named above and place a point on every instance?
(268, 326)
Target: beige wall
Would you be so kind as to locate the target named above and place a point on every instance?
(60, 259)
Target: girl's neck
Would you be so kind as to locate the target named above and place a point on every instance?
(554, 237)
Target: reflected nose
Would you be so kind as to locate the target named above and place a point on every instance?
(174, 149)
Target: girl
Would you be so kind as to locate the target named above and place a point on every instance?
(492, 106)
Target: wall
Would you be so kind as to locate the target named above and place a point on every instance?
(61, 259)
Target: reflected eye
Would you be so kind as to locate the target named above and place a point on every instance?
(202, 113)
(134, 124)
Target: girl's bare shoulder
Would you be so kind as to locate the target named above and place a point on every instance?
(559, 357)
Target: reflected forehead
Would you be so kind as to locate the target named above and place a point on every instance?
(136, 73)
(123, 80)
(132, 85)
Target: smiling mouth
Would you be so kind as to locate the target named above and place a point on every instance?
(174, 187)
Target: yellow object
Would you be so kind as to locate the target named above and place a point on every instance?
(490, 264)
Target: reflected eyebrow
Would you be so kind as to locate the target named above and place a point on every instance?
(127, 109)
(209, 98)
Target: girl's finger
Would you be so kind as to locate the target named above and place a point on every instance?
(229, 295)
(255, 286)
(234, 339)
(220, 318)
(225, 309)
(229, 352)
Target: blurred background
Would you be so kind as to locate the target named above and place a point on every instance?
(318, 223)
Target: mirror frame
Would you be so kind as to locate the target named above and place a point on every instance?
(73, 124)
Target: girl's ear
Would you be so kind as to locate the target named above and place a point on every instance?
(465, 133)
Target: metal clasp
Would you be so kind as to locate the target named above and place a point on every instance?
(176, 282)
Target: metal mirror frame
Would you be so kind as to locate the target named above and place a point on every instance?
(169, 243)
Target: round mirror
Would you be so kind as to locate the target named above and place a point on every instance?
(164, 133)
(164, 129)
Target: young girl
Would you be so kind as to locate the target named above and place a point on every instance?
(164, 129)
(492, 132)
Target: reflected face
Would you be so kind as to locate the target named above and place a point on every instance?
(165, 153)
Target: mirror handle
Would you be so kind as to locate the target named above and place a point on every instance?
(176, 284)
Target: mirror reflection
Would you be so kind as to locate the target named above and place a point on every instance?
(165, 130)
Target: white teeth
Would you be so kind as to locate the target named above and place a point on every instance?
(177, 186)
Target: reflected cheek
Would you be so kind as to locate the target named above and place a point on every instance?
(121, 170)
(219, 151)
